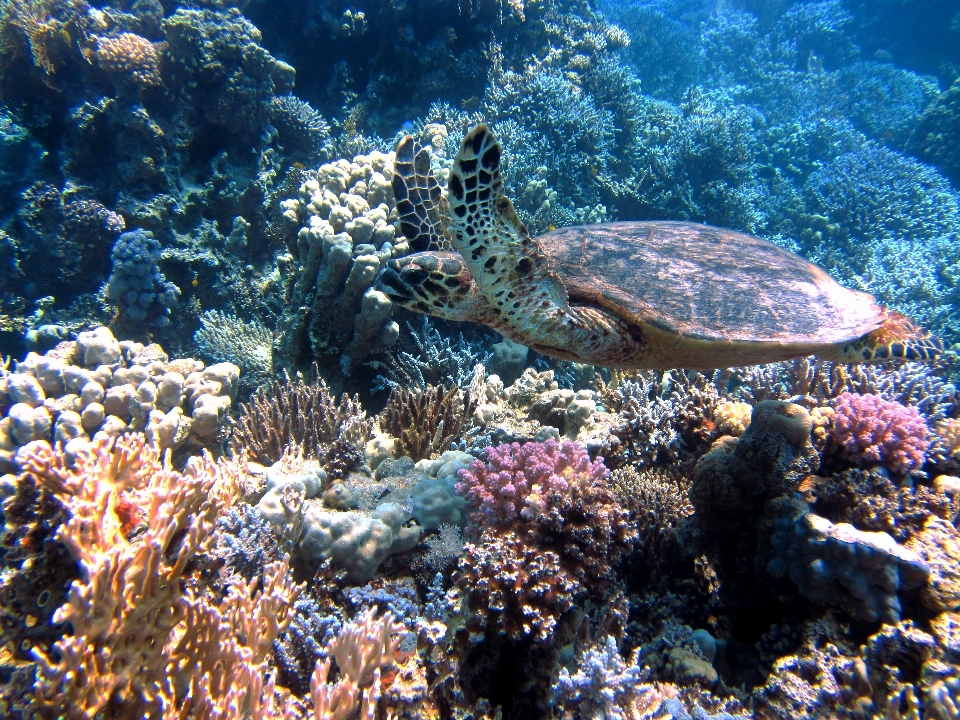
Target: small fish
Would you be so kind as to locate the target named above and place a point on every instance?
(552, 227)
(593, 169)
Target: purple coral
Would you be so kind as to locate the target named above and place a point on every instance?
(525, 481)
(872, 430)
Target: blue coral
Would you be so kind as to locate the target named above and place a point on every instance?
(136, 284)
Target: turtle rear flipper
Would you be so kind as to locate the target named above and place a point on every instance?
(420, 202)
(897, 338)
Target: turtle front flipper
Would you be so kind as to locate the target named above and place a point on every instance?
(511, 270)
(419, 198)
(897, 338)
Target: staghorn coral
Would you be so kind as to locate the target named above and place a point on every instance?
(659, 415)
(302, 130)
(871, 430)
(425, 357)
(606, 686)
(175, 645)
(248, 345)
(129, 57)
(291, 412)
(425, 422)
(945, 449)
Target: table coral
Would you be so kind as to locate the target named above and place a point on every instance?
(871, 430)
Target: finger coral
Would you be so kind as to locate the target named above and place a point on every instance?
(427, 421)
(292, 412)
(874, 431)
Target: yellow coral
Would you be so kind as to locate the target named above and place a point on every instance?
(140, 642)
(948, 438)
(732, 417)
(822, 422)
(131, 55)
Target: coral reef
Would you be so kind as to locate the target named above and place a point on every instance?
(871, 430)
(344, 223)
(769, 460)
(96, 386)
(294, 413)
(539, 511)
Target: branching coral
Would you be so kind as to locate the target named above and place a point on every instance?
(248, 345)
(657, 499)
(548, 531)
(292, 412)
(872, 430)
(139, 640)
(427, 421)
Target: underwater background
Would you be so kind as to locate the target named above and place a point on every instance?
(238, 482)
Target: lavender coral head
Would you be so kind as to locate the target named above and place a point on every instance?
(872, 430)
(525, 481)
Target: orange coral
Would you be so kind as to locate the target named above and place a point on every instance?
(130, 55)
(140, 641)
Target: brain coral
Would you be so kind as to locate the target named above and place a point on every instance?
(871, 431)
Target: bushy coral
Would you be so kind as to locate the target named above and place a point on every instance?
(542, 503)
(130, 57)
(871, 430)
(224, 337)
(525, 481)
(136, 284)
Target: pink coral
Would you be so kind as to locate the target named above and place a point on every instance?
(548, 532)
(872, 430)
(525, 481)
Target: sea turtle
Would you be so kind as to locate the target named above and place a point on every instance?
(629, 295)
